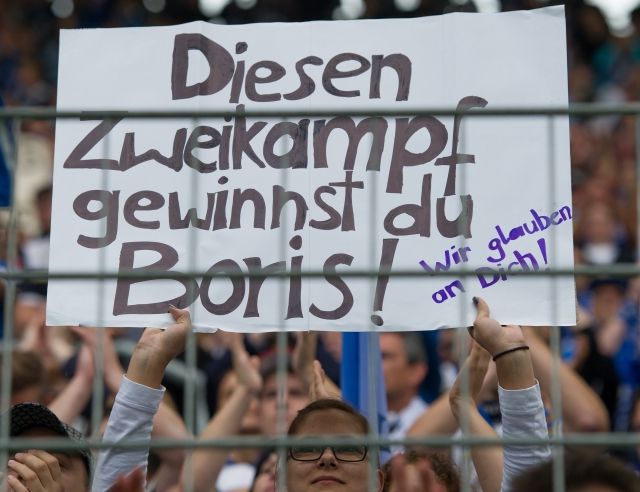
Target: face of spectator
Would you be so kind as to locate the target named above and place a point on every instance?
(266, 479)
(400, 377)
(296, 399)
(600, 224)
(73, 473)
(327, 473)
(607, 302)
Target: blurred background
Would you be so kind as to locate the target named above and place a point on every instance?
(604, 67)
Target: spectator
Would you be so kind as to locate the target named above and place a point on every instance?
(317, 467)
(37, 470)
(296, 396)
(404, 367)
(520, 403)
(584, 471)
(230, 419)
(28, 377)
(421, 471)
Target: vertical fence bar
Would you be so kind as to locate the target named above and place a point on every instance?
(97, 394)
(190, 357)
(556, 390)
(10, 297)
(373, 340)
(637, 149)
(282, 336)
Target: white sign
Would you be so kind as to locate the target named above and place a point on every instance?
(489, 195)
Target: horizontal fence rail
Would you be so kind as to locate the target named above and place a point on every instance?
(558, 440)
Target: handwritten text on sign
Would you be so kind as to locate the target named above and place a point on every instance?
(333, 194)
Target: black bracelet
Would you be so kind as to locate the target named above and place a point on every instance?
(508, 351)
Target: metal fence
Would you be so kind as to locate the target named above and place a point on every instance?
(558, 440)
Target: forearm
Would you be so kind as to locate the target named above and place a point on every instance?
(582, 409)
(487, 460)
(131, 419)
(146, 367)
(437, 419)
(610, 335)
(72, 399)
(168, 424)
(522, 417)
(207, 463)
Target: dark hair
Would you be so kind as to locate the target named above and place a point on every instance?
(269, 367)
(26, 416)
(618, 283)
(27, 370)
(581, 468)
(328, 404)
(443, 468)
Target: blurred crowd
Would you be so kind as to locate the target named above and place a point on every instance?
(600, 370)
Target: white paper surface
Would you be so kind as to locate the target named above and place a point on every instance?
(510, 172)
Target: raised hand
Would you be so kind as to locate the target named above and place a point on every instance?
(156, 348)
(475, 368)
(492, 336)
(247, 368)
(413, 477)
(34, 471)
(507, 346)
(304, 354)
(321, 386)
(134, 482)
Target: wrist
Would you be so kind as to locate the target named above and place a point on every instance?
(508, 351)
(151, 355)
(147, 367)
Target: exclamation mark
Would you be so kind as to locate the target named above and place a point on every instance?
(386, 260)
(543, 249)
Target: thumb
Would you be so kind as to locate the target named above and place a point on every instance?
(180, 315)
(482, 308)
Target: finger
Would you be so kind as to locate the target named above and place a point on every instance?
(26, 475)
(398, 472)
(15, 485)
(427, 475)
(482, 308)
(45, 466)
(53, 465)
(317, 381)
(318, 389)
(180, 315)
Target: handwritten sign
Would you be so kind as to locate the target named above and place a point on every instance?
(422, 193)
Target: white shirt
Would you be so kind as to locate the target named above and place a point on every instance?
(400, 422)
